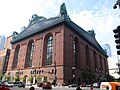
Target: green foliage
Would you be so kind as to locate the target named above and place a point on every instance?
(45, 79)
(12, 79)
(39, 79)
(88, 75)
(24, 79)
(17, 78)
(4, 78)
(17, 74)
(1, 76)
(110, 78)
(31, 79)
(8, 78)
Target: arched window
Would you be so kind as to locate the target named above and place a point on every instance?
(30, 56)
(49, 50)
(17, 53)
(75, 53)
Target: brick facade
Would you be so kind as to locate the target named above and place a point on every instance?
(4, 55)
(89, 59)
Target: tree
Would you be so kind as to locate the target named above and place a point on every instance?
(1, 76)
(39, 79)
(31, 79)
(8, 78)
(24, 79)
(110, 78)
(17, 78)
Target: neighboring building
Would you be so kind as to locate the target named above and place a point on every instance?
(56, 49)
(4, 56)
(107, 48)
(2, 42)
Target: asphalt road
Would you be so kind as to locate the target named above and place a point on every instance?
(55, 88)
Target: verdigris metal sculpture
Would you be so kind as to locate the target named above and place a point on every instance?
(35, 18)
(63, 11)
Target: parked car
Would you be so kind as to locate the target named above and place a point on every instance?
(40, 84)
(72, 85)
(96, 85)
(83, 85)
(28, 84)
(47, 85)
(3, 87)
(19, 84)
(9, 84)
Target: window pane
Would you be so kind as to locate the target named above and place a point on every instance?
(74, 53)
(17, 56)
(49, 51)
(31, 55)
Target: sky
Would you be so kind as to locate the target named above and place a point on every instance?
(98, 15)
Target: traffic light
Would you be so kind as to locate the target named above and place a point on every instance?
(116, 4)
(117, 39)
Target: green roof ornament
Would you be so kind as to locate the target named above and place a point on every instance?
(14, 34)
(92, 33)
(63, 11)
(35, 18)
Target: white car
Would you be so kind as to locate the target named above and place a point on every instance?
(72, 85)
(9, 84)
(28, 84)
(96, 85)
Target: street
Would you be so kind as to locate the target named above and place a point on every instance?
(55, 88)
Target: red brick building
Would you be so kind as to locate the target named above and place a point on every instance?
(4, 56)
(57, 49)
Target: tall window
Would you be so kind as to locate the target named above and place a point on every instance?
(31, 48)
(87, 57)
(17, 55)
(95, 61)
(49, 50)
(75, 53)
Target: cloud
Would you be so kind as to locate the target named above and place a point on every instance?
(83, 19)
(100, 21)
(16, 13)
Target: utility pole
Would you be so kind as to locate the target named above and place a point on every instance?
(117, 37)
(117, 41)
(118, 64)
